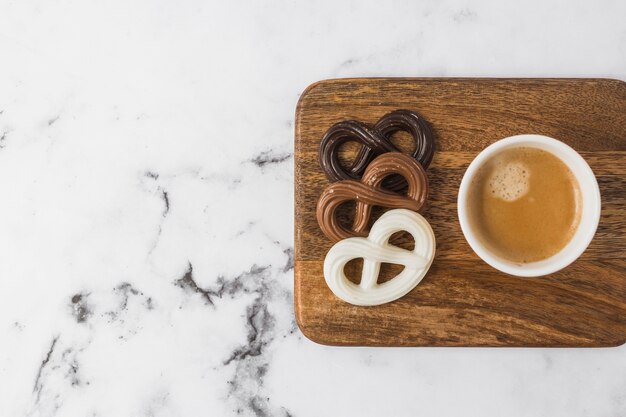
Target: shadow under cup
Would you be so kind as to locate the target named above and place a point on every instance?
(589, 217)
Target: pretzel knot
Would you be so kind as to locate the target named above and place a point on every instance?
(369, 192)
(375, 141)
(375, 249)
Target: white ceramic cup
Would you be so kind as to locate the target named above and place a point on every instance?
(590, 216)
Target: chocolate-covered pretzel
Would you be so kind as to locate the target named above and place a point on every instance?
(369, 192)
(375, 141)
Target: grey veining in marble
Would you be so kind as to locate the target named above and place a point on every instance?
(146, 232)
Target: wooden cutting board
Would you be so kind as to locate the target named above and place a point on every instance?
(462, 301)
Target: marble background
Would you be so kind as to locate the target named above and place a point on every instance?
(146, 215)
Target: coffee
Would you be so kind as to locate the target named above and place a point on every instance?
(524, 204)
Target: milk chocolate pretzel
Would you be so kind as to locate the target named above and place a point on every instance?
(369, 192)
(375, 141)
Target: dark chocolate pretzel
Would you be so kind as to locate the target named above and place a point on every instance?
(375, 141)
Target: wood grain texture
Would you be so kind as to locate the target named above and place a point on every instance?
(462, 301)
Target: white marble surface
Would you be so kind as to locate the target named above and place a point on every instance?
(146, 206)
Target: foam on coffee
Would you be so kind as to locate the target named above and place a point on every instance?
(509, 181)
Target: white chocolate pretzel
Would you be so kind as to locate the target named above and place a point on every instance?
(375, 249)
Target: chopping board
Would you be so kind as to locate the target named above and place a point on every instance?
(462, 301)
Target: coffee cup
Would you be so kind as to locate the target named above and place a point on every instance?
(587, 207)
